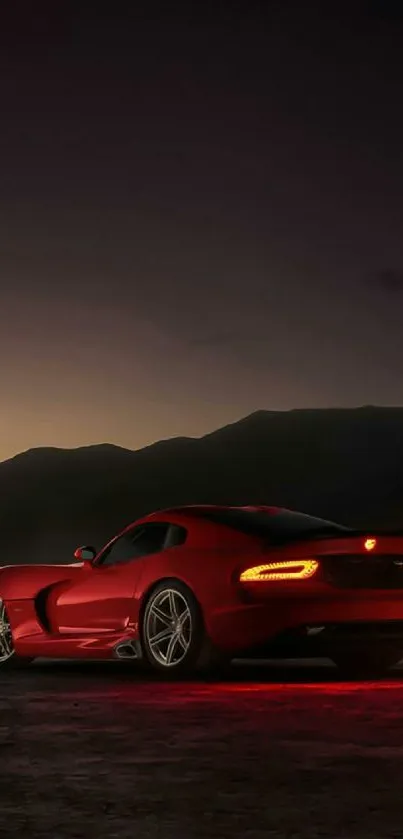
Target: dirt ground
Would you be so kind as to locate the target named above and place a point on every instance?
(98, 751)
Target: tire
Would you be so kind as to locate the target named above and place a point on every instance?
(172, 630)
(365, 665)
(8, 659)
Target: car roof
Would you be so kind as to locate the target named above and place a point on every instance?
(194, 509)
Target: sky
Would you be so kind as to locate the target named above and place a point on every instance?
(201, 215)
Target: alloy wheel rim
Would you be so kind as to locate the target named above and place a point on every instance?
(6, 637)
(168, 627)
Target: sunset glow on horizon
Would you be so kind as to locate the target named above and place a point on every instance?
(178, 251)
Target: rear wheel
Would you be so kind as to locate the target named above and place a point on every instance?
(365, 665)
(172, 630)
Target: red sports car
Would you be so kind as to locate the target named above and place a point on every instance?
(188, 588)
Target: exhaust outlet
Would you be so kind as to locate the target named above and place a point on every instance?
(126, 650)
(314, 630)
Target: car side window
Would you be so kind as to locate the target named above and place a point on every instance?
(143, 540)
(175, 536)
(120, 551)
(150, 539)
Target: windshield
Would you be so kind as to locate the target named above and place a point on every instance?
(276, 528)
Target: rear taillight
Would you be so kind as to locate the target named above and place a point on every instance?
(292, 569)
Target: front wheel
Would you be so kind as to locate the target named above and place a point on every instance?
(365, 665)
(8, 658)
(172, 630)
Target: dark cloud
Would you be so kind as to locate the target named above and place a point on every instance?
(389, 280)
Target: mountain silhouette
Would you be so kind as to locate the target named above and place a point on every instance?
(344, 464)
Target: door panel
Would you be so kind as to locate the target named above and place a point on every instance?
(102, 601)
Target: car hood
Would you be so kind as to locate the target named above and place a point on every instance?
(20, 582)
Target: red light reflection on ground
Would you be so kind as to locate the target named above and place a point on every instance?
(222, 693)
(311, 687)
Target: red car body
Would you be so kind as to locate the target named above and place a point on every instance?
(354, 595)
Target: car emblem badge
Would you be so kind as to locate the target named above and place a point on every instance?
(370, 544)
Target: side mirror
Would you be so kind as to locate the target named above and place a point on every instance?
(85, 554)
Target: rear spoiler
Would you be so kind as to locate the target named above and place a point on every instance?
(343, 533)
(375, 533)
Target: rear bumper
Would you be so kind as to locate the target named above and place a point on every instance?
(331, 639)
(281, 625)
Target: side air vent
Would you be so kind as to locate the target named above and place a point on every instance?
(40, 604)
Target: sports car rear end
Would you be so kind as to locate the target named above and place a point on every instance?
(322, 590)
(352, 598)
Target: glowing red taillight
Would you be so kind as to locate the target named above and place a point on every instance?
(292, 569)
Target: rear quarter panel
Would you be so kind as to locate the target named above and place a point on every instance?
(207, 572)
